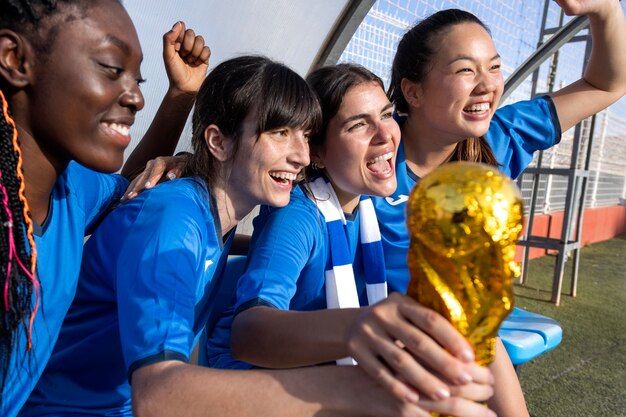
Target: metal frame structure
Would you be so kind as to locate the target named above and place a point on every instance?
(549, 44)
(577, 178)
(353, 15)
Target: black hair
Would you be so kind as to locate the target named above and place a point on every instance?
(17, 247)
(38, 21)
(331, 83)
(35, 18)
(277, 95)
(413, 62)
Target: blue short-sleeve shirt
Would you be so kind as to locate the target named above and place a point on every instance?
(515, 133)
(288, 255)
(79, 198)
(143, 297)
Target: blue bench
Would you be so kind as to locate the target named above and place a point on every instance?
(526, 335)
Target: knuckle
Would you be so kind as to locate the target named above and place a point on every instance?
(381, 375)
(378, 313)
(353, 346)
(415, 343)
(394, 296)
(397, 359)
(455, 405)
(430, 319)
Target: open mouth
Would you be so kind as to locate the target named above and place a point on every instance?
(121, 129)
(477, 108)
(283, 178)
(381, 165)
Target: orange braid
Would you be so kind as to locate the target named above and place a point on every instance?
(27, 220)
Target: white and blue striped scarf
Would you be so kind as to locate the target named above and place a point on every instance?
(339, 276)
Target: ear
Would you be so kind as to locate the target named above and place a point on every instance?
(217, 143)
(15, 59)
(316, 158)
(412, 92)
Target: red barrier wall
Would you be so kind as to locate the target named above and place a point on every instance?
(598, 224)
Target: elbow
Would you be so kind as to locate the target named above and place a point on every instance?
(146, 403)
(250, 338)
(241, 342)
(155, 388)
(142, 407)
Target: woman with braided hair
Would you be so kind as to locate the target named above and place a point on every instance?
(69, 75)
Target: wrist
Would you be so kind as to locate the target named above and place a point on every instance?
(608, 10)
(180, 95)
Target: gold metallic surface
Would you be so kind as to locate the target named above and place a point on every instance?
(464, 220)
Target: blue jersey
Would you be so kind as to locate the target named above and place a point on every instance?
(288, 255)
(79, 197)
(143, 297)
(515, 133)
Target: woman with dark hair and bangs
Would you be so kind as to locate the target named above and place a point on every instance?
(313, 263)
(69, 84)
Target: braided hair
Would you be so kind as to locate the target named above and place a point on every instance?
(19, 284)
(17, 246)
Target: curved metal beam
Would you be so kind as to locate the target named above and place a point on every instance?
(347, 24)
(543, 52)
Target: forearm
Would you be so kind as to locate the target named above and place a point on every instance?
(606, 68)
(164, 131)
(175, 388)
(273, 338)
(604, 81)
(508, 399)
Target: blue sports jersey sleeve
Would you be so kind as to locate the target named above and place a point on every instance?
(518, 130)
(159, 264)
(285, 241)
(145, 292)
(515, 133)
(95, 191)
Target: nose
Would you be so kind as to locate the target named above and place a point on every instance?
(384, 132)
(132, 97)
(299, 152)
(487, 82)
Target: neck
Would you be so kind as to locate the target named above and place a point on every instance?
(349, 202)
(423, 152)
(229, 212)
(40, 175)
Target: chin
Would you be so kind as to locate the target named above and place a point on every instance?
(278, 202)
(105, 165)
(384, 190)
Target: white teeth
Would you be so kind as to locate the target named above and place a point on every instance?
(284, 175)
(478, 107)
(119, 128)
(384, 157)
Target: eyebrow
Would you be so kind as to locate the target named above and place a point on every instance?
(366, 115)
(119, 43)
(469, 58)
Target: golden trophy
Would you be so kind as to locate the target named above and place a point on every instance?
(463, 220)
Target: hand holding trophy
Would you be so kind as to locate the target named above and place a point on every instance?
(464, 219)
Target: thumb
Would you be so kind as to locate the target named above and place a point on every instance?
(173, 38)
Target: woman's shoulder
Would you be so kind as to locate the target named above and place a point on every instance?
(300, 214)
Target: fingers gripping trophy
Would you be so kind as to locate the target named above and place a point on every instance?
(464, 219)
